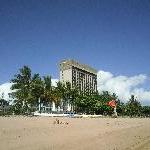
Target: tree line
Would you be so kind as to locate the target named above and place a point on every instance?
(30, 90)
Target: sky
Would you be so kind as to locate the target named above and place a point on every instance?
(113, 36)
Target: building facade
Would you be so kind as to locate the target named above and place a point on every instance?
(79, 75)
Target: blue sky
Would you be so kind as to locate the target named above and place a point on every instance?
(111, 35)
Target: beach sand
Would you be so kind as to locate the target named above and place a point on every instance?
(40, 133)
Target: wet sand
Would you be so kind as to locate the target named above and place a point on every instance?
(41, 133)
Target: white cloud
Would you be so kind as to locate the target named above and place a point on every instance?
(54, 82)
(4, 90)
(123, 86)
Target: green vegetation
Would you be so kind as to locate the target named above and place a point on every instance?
(5, 109)
(31, 90)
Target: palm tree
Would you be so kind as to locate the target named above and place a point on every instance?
(56, 97)
(37, 90)
(45, 91)
(48, 91)
(74, 94)
(21, 86)
(60, 94)
(47, 88)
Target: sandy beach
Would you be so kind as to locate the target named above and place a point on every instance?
(40, 133)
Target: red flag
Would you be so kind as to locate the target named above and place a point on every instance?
(112, 103)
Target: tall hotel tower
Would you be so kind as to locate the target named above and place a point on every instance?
(79, 75)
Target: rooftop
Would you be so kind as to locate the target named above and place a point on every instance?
(66, 64)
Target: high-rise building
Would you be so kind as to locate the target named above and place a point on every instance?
(79, 75)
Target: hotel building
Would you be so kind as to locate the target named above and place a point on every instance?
(79, 75)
